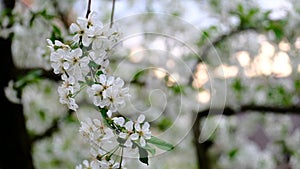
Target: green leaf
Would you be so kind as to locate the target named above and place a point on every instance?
(42, 115)
(56, 30)
(150, 149)
(138, 74)
(98, 73)
(47, 16)
(297, 85)
(143, 155)
(31, 77)
(93, 64)
(233, 153)
(32, 19)
(237, 85)
(160, 143)
(146, 147)
(178, 89)
(56, 34)
(164, 124)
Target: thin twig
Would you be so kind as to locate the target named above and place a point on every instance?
(112, 13)
(88, 11)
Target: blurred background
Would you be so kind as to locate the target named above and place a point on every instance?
(218, 79)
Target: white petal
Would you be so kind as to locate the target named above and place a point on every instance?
(143, 142)
(119, 120)
(141, 118)
(86, 163)
(86, 41)
(49, 42)
(109, 113)
(119, 82)
(77, 52)
(74, 28)
(147, 135)
(134, 136)
(110, 80)
(122, 135)
(102, 79)
(94, 18)
(129, 125)
(128, 143)
(76, 38)
(137, 127)
(146, 126)
(82, 22)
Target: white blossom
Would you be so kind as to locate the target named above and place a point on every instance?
(11, 93)
(95, 132)
(142, 130)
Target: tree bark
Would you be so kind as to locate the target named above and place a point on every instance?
(201, 148)
(14, 140)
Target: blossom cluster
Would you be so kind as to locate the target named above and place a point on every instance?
(83, 65)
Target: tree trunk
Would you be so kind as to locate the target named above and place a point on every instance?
(201, 148)
(15, 145)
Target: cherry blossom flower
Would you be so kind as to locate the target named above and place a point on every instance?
(142, 130)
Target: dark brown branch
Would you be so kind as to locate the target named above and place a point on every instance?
(88, 11)
(271, 109)
(201, 148)
(227, 111)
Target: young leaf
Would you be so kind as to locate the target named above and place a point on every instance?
(138, 74)
(160, 143)
(150, 149)
(93, 65)
(31, 77)
(147, 147)
(143, 155)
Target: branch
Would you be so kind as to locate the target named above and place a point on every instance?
(227, 111)
(201, 148)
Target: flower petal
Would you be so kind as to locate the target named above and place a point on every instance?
(141, 118)
(143, 142)
(134, 136)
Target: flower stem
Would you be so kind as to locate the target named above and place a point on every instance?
(88, 8)
(112, 13)
(121, 160)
